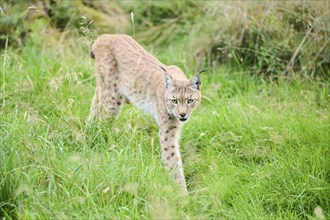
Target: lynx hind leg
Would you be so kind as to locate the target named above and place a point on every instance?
(95, 109)
(169, 137)
(107, 99)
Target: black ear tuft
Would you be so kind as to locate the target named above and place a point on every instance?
(92, 54)
(163, 69)
(202, 71)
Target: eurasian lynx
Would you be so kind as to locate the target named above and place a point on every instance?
(126, 70)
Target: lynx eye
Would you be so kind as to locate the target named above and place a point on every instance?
(190, 101)
(174, 101)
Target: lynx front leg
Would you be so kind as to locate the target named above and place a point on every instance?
(169, 138)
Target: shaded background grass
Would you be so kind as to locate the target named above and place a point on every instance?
(258, 146)
(278, 38)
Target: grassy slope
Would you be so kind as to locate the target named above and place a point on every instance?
(252, 150)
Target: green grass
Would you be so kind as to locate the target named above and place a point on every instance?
(252, 150)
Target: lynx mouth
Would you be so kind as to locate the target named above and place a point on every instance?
(183, 119)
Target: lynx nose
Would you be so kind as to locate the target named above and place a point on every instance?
(182, 115)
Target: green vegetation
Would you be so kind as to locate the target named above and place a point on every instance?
(256, 148)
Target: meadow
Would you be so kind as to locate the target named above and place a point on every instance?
(256, 148)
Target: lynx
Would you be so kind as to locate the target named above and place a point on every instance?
(126, 71)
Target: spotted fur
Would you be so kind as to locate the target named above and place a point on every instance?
(126, 71)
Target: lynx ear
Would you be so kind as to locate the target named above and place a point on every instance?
(168, 81)
(168, 78)
(196, 80)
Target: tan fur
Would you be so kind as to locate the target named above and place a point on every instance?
(126, 70)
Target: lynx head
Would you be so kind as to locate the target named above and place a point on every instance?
(182, 96)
